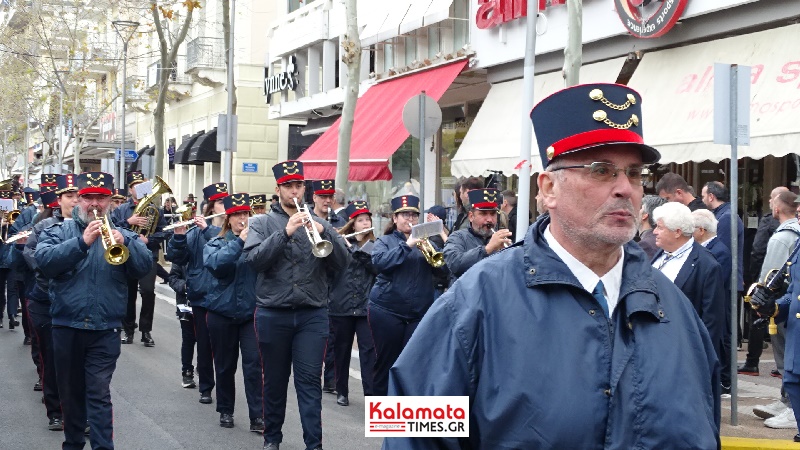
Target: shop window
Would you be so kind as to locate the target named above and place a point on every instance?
(388, 55)
(299, 143)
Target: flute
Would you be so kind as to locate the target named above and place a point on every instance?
(348, 236)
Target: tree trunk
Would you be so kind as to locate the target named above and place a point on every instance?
(573, 53)
(351, 56)
(226, 32)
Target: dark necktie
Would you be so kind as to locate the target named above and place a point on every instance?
(600, 295)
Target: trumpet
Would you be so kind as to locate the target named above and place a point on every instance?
(115, 254)
(319, 247)
(18, 236)
(348, 236)
(505, 244)
(189, 222)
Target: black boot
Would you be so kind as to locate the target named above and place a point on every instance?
(147, 340)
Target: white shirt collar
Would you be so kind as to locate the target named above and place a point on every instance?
(670, 267)
(708, 241)
(612, 281)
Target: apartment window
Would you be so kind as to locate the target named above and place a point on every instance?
(294, 5)
(411, 48)
(388, 55)
(459, 11)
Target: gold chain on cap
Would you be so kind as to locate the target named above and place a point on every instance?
(597, 95)
(601, 116)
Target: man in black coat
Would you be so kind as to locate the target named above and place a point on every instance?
(691, 267)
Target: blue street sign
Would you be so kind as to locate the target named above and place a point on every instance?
(250, 167)
(130, 156)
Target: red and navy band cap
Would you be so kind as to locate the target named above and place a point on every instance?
(357, 208)
(288, 171)
(95, 183)
(215, 191)
(66, 183)
(323, 187)
(485, 199)
(405, 203)
(235, 203)
(589, 117)
(49, 199)
(48, 179)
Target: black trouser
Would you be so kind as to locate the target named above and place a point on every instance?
(292, 339)
(161, 272)
(85, 361)
(9, 298)
(30, 332)
(755, 339)
(345, 328)
(187, 343)
(147, 287)
(205, 359)
(23, 304)
(329, 373)
(42, 327)
(228, 337)
(391, 334)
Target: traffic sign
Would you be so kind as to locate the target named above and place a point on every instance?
(422, 114)
(130, 156)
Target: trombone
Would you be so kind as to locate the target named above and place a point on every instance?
(319, 247)
(115, 253)
(189, 222)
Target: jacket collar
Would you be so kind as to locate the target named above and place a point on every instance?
(542, 267)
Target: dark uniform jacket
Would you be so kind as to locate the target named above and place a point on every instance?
(404, 286)
(24, 221)
(350, 289)
(766, 228)
(335, 220)
(289, 275)
(21, 270)
(177, 281)
(608, 383)
(700, 279)
(87, 292)
(723, 215)
(231, 294)
(39, 291)
(464, 248)
(124, 212)
(187, 249)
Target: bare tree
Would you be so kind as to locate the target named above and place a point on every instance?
(351, 56)
(226, 31)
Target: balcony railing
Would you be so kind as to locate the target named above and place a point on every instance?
(136, 88)
(177, 73)
(205, 53)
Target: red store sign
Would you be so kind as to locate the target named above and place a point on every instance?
(642, 18)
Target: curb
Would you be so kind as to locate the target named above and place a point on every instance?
(736, 443)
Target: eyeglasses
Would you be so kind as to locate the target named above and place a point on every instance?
(604, 171)
(408, 215)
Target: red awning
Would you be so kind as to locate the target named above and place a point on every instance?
(378, 129)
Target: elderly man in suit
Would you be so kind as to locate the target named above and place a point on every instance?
(691, 267)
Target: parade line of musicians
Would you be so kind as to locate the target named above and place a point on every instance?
(578, 327)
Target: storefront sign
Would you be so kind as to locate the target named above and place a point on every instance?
(649, 18)
(249, 167)
(494, 12)
(286, 80)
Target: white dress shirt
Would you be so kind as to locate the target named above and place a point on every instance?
(670, 263)
(612, 281)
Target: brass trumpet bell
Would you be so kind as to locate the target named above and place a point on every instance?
(434, 258)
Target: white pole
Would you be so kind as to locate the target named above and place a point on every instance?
(227, 153)
(60, 129)
(734, 238)
(422, 156)
(25, 151)
(524, 195)
(121, 177)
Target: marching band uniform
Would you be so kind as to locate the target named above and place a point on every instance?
(465, 247)
(327, 187)
(86, 320)
(258, 203)
(402, 294)
(347, 311)
(177, 281)
(8, 293)
(187, 249)
(291, 318)
(231, 303)
(147, 284)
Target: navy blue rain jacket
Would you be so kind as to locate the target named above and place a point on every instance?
(40, 288)
(232, 294)
(464, 248)
(350, 289)
(87, 292)
(187, 249)
(723, 215)
(404, 286)
(544, 368)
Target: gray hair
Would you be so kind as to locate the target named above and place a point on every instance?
(649, 203)
(338, 196)
(676, 216)
(705, 219)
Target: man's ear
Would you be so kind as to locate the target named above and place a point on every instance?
(547, 188)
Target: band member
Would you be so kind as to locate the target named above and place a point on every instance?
(119, 197)
(258, 203)
(347, 309)
(291, 295)
(87, 316)
(124, 217)
(324, 191)
(58, 206)
(465, 247)
(624, 332)
(9, 302)
(186, 248)
(231, 302)
(403, 291)
(177, 281)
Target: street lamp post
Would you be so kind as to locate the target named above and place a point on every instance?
(125, 30)
(59, 75)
